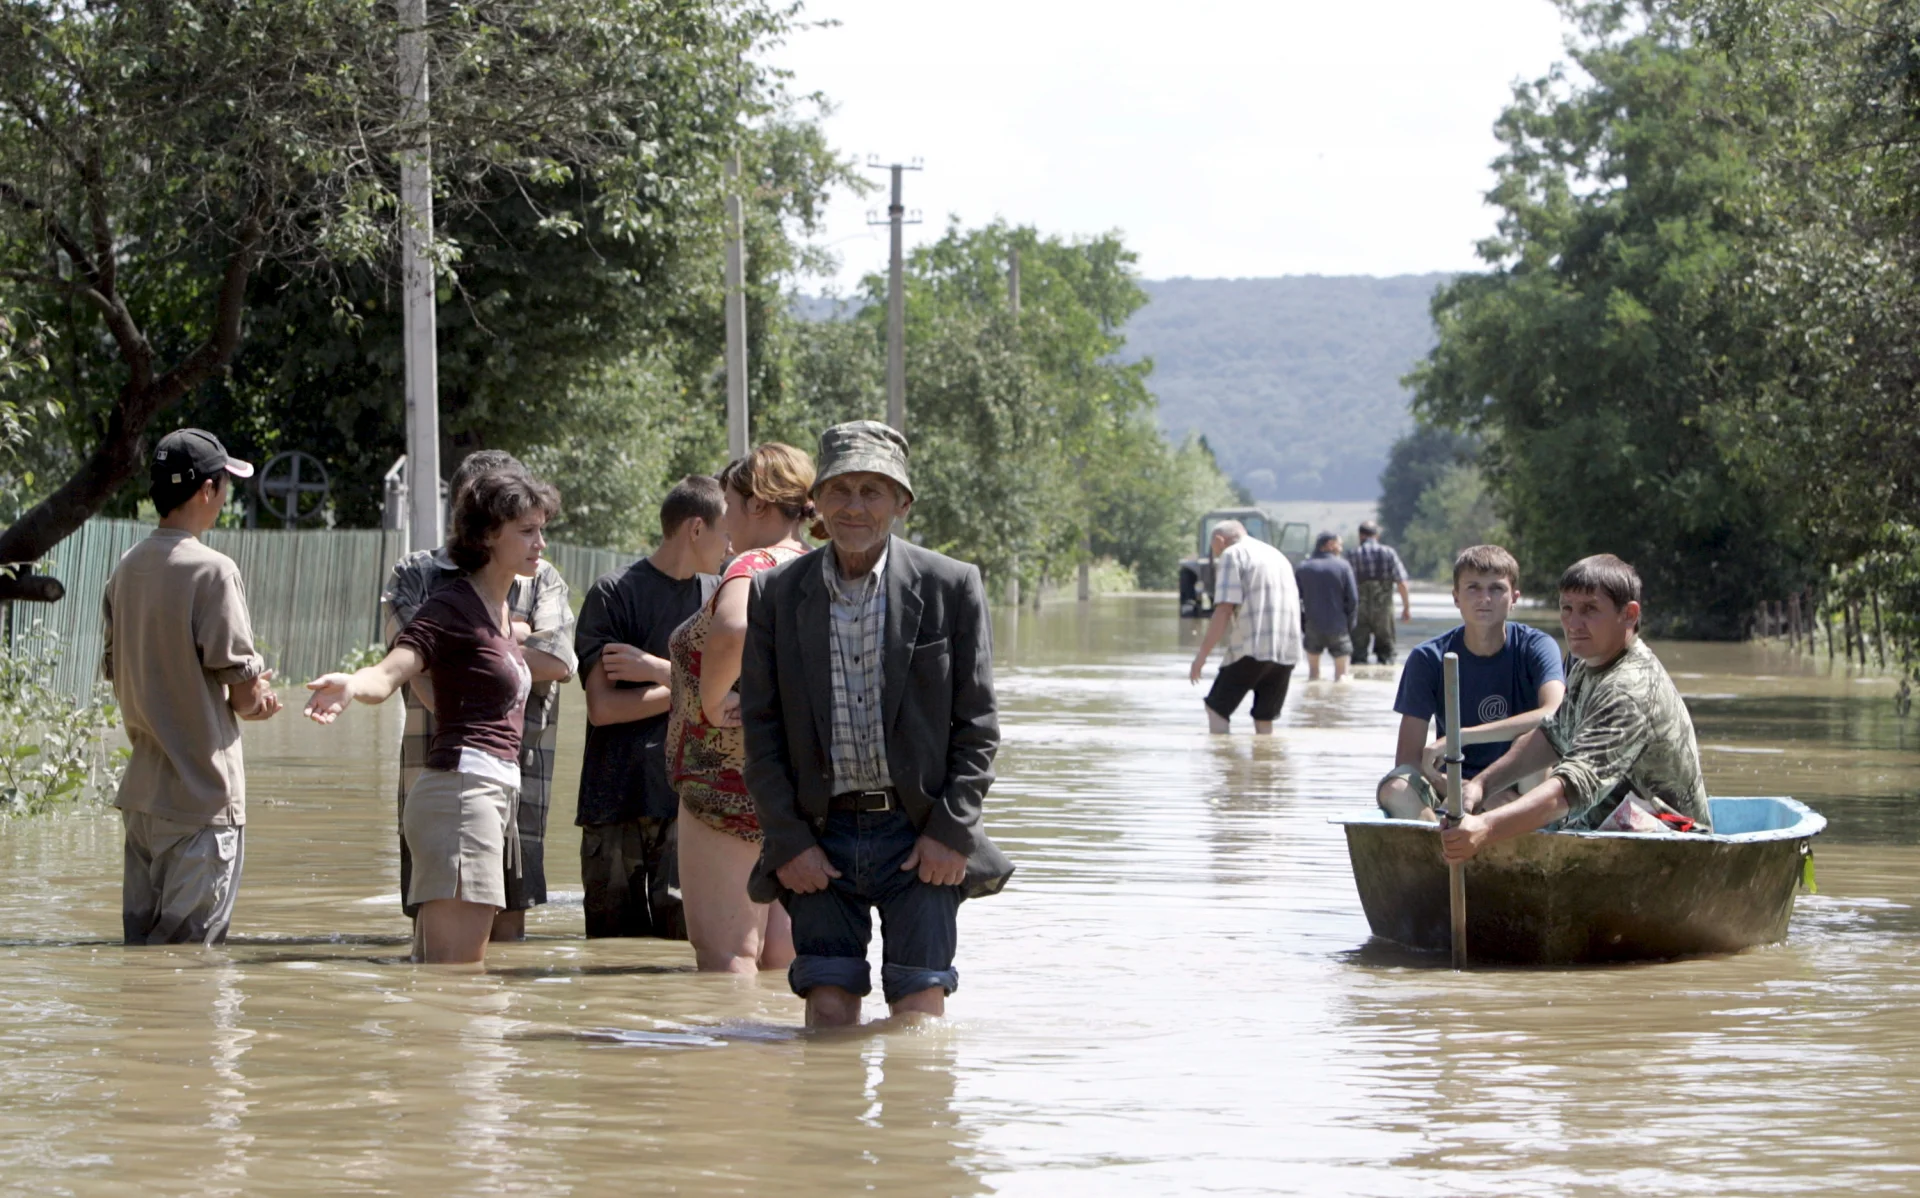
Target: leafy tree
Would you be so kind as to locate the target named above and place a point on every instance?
(1415, 463)
(1455, 511)
(1591, 356)
(159, 161)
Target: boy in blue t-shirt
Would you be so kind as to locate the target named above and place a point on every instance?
(1510, 680)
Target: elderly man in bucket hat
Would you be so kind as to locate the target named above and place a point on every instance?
(866, 692)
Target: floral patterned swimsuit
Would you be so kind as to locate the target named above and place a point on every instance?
(704, 762)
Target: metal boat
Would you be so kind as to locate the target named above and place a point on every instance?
(1566, 898)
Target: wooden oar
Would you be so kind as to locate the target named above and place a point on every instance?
(1456, 874)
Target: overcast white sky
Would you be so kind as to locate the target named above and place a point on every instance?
(1224, 138)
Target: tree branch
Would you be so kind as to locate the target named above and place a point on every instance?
(55, 228)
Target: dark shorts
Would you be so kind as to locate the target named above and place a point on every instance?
(630, 872)
(1266, 679)
(832, 927)
(1340, 644)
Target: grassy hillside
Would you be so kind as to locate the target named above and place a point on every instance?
(1294, 381)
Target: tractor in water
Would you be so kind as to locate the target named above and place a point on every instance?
(1196, 573)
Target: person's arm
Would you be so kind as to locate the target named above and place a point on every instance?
(1406, 601)
(1216, 628)
(789, 845)
(223, 635)
(106, 632)
(548, 643)
(1350, 595)
(1515, 726)
(1412, 739)
(374, 684)
(720, 657)
(1528, 813)
(610, 703)
(972, 743)
(1530, 754)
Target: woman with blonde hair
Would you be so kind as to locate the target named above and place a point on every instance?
(719, 834)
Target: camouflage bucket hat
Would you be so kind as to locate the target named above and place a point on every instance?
(863, 445)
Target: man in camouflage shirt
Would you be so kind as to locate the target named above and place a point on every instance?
(1622, 733)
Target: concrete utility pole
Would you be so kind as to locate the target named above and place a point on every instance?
(424, 530)
(896, 297)
(1013, 306)
(737, 438)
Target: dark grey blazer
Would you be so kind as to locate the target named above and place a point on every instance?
(942, 731)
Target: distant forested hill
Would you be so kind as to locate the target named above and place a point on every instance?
(1294, 381)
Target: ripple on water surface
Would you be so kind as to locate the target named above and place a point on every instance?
(1176, 994)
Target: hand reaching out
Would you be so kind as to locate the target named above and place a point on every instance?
(331, 694)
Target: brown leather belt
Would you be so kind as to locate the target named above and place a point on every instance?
(863, 800)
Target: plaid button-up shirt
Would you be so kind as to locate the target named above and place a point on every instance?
(1375, 562)
(856, 630)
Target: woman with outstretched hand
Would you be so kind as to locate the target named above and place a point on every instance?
(459, 815)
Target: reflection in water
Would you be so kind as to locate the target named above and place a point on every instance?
(1176, 994)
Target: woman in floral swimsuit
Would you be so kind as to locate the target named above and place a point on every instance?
(719, 834)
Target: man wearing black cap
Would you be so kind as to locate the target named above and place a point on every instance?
(180, 654)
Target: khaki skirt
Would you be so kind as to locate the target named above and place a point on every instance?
(462, 836)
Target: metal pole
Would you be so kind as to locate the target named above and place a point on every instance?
(896, 315)
(1456, 874)
(737, 438)
(416, 238)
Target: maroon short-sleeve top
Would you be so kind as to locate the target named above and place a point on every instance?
(479, 674)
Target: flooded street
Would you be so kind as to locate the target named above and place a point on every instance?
(1175, 994)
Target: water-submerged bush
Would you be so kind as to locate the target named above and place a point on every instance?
(52, 749)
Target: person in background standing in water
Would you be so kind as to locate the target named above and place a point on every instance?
(626, 804)
(543, 624)
(1378, 570)
(866, 693)
(459, 818)
(178, 649)
(1510, 680)
(1257, 609)
(1329, 596)
(767, 507)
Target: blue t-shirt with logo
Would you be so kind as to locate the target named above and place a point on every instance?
(1491, 688)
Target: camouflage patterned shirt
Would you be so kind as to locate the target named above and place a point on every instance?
(1624, 729)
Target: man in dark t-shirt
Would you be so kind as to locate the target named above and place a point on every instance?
(627, 805)
(1511, 679)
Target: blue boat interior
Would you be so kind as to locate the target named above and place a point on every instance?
(1735, 819)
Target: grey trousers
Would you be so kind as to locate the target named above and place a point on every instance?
(180, 880)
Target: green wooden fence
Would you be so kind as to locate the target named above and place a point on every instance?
(313, 595)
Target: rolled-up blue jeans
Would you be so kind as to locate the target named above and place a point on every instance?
(832, 927)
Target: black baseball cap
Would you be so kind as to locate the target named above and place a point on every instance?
(191, 455)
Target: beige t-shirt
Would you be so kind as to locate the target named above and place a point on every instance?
(177, 636)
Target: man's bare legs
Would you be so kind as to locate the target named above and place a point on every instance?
(830, 1006)
(509, 925)
(1216, 722)
(1340, 665)
(1263, 727)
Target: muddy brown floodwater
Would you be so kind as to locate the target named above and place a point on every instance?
(1175, 995)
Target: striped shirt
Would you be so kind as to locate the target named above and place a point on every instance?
(1375, 562)
(856, 628)
(1258, 580)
